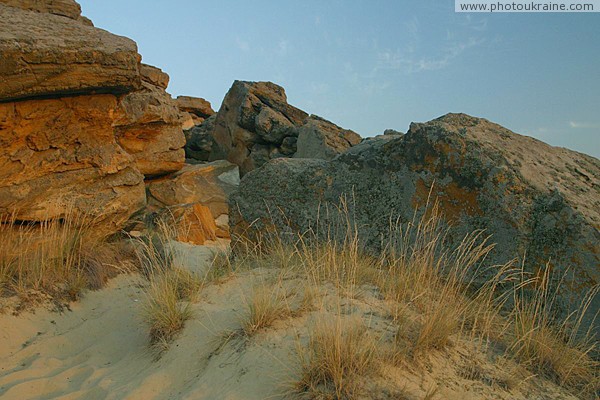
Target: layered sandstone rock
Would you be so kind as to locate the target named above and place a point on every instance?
(81, 121)
(66, 8)
(154, 76)
(194, 110)
(60, 155)
(534, 199)
(256, 124)
(43, 54)
(195, 105)
(149, 128)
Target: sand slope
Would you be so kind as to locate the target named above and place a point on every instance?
(99, 350)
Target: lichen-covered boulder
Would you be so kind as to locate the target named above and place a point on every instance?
(535, 200)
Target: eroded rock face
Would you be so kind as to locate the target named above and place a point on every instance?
(319, 138)
(533, 198)
(154, 76)
(256, 124)
(149, 128)
(81, 121)
(43, 54)
(200, 144)
(195, 105)
(61, 153)
(66, 8)
(209, 185)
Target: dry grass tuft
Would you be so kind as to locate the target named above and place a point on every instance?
(557, 350)
(266, 305)
(340, 353)
(170, 289)
(167, 306)
(56, 259)
(437, 294)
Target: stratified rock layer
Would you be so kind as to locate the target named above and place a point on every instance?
(81, 120)
(60, 155)
(43, 54)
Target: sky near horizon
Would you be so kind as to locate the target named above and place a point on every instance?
(373, 65)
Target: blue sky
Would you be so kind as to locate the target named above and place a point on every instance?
(372, 65)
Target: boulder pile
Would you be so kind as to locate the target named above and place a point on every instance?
(256, 124)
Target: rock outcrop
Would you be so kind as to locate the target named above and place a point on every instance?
(534, 199)
(43, 54)
(200, 144)
(66, 8)
(319, 138)
(58, 154)
(194, 110)
(256, 124)
(208, 185)
(81, 119)
(149, 128)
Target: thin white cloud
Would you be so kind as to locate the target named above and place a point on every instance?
(283, 46)
(406, 61)
(242, 44)
(410, 58)
(583, 125)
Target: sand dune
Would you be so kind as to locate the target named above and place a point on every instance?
(100, 350)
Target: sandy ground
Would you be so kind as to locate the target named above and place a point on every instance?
(100, 350)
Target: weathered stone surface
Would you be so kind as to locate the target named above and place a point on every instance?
(193, 223)
(154, 76)
(254, 115)
(289, 146)
(199, 142)
(148, 127)
(59, 154)
(43, 54)
(195, 105)
(533, 198)
(208, 184)
(256, 124)
(66, 8)
(319, 138)
(392, 132)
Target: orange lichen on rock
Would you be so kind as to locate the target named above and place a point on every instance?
(453, 199)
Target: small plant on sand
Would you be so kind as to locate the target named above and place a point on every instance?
(167, 305)
(340, 353)
(266, 304)
(170, 289)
